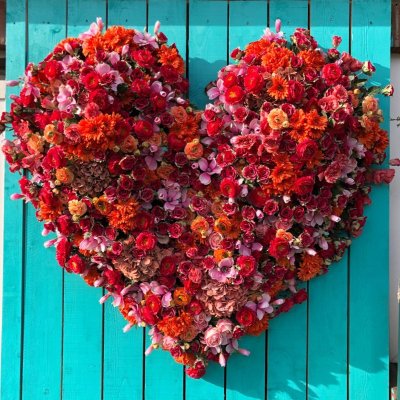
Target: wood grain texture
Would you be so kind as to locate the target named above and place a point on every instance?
(83, 315)
(247, 21)
(13, 267)
(369, 255)
(43, 277)
(327, 325)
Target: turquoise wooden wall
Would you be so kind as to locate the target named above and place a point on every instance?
(59, 343)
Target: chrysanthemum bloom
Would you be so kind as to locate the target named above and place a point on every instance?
(123, 215)
(309, 267)
(175, 326)
(279, 89)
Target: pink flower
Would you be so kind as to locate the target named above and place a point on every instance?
(383, 175)
(65, 100)
(212, 337)
(171, 198)
(208, 170)
(144, 39)
(262, 306)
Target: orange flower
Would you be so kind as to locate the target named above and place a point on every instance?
(181, 296)
(92, 44)
(92, 276)
(187, 358)
(170, 56)
(36, 143)
(280, 233)
(64, 175)
(129, 145)
(216, 208)
(258, 47)
(116, 37)
(309, 267)
(258, 326)
(279, 89)
(382, 143)
(276, 57)
(315, 121)
(223, 225)
(52, 135)
(278, 119)
(312, 59)
(275, 289)
(200, 225)
(220, 254)
(102, 205)
(175, 326)
(49, 213)
(123, 215)
(124, 310)
(76, 207)
(165, 170)
(194, 150)
(179, 114)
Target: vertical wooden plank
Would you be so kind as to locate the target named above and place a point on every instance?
(123, 352)
(369, 255)
(247, 21)
(287, 335)
(327, 326)
(207, 45)
(43, 277)
(164, 378)
(11, 355)
(83, 316)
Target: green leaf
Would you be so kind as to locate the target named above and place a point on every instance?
(374, 90)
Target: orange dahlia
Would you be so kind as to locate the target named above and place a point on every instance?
(309, 267)
(259, 326)
(312, 59)
(175, 326)
(279, 89)
(123, 215)
(170, 56)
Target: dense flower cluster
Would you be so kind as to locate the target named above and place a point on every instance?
(199, 224)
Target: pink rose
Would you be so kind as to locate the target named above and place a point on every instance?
(212, 337)
(225, 326)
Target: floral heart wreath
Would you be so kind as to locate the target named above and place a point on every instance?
(199, 224)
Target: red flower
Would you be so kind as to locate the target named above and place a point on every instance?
(228, 187)
(306, 149)
(253, 82)
(148, 316)
(304, 185)
(146, 241)
(64, 248)
(52, 70)
(76, 264)
(296, 92)
(144, 130)
(230, 80)
(195, 373)
(215, 127)
(331, 73)
(279, 248)
(144, 58)
(234, 95)
(153, 302)
(247, 265)
(246, 316)
(91, 80)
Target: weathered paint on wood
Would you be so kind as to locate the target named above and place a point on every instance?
(58, 342)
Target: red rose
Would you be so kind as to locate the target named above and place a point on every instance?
(246, 316)
(296, 92)
(304, 185)
(175, 230)
(332, 173)
(230, 80)
(169, 73)
(240, 114)
(195, 373)
(215, 127)
(144, 221)
(55, 158)
(228, 187)
(91, 80)
(64, 248)
(76, 264)
(279, 248)
(144, 130)
(148, 316)
(331, 73)
(144, 58)
(194, 307)
(306, 149)
(234, 95)
(100, 97)
(158, 102)
(253, 82)
(146, 241)
(141, 87)
(52, 70)
(168, 266)
(287, 305)
(258, 197)
(153, 302)
(247, 265)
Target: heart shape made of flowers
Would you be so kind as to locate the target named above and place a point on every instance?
(200, 224)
